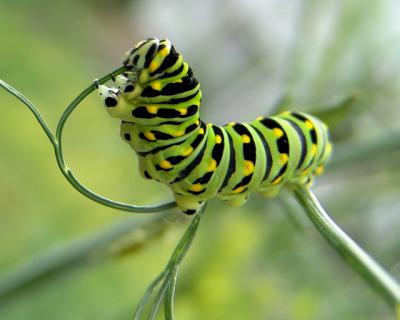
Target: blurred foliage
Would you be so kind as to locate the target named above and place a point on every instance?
(249, 262)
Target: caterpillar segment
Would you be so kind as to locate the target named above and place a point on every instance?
(158, 101)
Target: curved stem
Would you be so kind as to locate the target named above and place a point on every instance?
(71, 177)
(31, 107)
(378, 278)
(56, 141)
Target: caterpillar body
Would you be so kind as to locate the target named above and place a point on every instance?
(158, 101)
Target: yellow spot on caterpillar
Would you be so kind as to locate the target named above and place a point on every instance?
(218, 139)
(277, 180)
(245, 138)
(178, 81)
(196, 187)
(153, 66)
(201, 131)
(329, 147)
(309, 124)
(284, 158)
(165, 164)
(150, 136)
(182, 111)
(197, 122)
(238, 189)
(231, 124)
(212, 166)
(179, 133)
(313, 150)
(259, 118)
(278, 132)
(187, 152)
(156, 85)
(319, 170)
(164, 52)
(152, 109)
(248, 167)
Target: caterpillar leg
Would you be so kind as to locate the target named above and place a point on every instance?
(238, 200)
(188, 205)
(270, 192)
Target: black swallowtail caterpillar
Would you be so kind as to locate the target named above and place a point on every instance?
(158, 101)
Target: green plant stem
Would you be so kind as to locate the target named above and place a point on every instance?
(353, 254)
(140, 309)
(169, 297)
(31, 107)
(169, 276)
(57, 145)
(92, 248)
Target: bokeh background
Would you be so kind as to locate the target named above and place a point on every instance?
(263, 260)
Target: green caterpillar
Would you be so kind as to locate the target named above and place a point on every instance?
(158, 101)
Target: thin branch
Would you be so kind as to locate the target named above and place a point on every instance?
(57, 145)
(169, 275)
(384, 284)
(31, 107)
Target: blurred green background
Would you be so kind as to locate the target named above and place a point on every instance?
(263, 260)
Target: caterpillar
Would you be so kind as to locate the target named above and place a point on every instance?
(158, 100)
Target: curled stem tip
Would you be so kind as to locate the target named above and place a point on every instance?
(56, 141)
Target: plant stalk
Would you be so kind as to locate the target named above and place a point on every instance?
(362, 263)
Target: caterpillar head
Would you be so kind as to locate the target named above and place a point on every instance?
(109, 96)
(140, 56)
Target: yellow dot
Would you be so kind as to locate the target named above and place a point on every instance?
(329, 147)
(178, 81)
(188, 151)
(309, 124)
(278, 132)
(218, 139)
(197, 187)
(319, 170)
(201, 131)
(248, 167)
(212, 165)
(153, 66)
(165, 164)
(283, 157)
(182, 111)
(164, 52)
(197, 122)
(156, 85)
(259, 118)
(245, 138)
(238, 189)
(277, 180)
(313, 150)
(150, 136)
(152, 109)
(179, 133)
